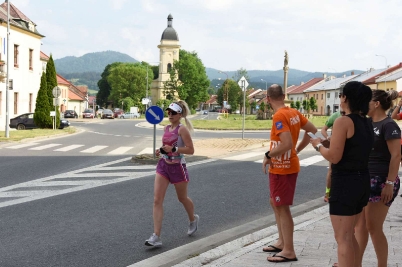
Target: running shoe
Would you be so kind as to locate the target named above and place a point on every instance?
(193, 226)
(153, 241)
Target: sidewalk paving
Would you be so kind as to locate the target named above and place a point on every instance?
(314, 241)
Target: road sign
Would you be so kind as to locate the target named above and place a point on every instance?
(154, 114)
(52, 113)
(56, 91)
(241, 83)
(145, 101)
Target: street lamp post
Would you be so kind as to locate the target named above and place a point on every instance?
(386, 68)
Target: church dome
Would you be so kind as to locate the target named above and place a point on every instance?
(169, 33)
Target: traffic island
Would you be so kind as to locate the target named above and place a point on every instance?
(148, 159)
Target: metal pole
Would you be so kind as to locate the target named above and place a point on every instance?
(8, 71)
(55, 114)
(146, 93)
(244, 108)
(154, 140)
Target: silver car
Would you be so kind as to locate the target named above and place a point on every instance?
(129, 116)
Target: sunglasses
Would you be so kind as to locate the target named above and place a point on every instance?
(171, 112)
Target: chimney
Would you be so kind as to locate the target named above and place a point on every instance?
(344, 75)
(324, 75)
(301, 83)
(352, 73)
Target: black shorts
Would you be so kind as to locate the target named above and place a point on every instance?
(350, 192)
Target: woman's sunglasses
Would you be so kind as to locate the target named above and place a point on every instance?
(171, 112)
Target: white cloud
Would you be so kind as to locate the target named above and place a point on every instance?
(118, 4)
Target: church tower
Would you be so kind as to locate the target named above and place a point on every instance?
(168, 53)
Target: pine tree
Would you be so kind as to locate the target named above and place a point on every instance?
(51, 80)
(42, 117)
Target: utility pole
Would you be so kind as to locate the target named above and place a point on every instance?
(8, 71)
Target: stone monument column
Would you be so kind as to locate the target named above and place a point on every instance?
(285, 76)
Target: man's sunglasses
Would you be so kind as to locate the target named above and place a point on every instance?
(171, 112)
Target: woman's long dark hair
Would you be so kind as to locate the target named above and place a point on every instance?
(358, 97)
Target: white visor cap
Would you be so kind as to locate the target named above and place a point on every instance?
(175, 107)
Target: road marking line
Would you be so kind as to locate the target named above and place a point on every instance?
(22, 145)
(311, 160)
(243, 156)
(45, 147)
(148, 150)
(68, 148)
(120, 150)
(93, 149)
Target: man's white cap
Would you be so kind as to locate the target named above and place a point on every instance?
(175, 107)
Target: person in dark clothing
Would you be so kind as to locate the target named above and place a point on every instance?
(351, 142)
(383, 168)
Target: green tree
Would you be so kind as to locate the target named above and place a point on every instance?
(104, 86)
(51, 81)
(234, 93)
(313, 104)
(127, 103)
(253, 105)
(128, 80)
(188, 80)
(42, 117)
(292, 104)
(306, 105)
(262, 106)
(298, 104)
(240, 73)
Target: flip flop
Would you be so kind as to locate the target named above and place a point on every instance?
(275, 249)
(284, 259)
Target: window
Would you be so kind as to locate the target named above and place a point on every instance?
(30, 103)
(16, 56)
(336, 94)
(322, 97)
(169, 67)
(291, 98)
(328, 95)
(30, 59)
(15, 103)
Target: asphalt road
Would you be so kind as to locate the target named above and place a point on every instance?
(106, 224)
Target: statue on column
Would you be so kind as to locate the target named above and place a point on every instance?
(286, 59)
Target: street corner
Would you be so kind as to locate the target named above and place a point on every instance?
(148, 159)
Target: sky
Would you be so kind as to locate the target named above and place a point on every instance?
(325, 36)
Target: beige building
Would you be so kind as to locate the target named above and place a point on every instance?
(168, 53)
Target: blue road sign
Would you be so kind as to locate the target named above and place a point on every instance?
(154, 114)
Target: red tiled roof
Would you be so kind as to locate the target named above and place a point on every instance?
(15, 12)
(212, 99)
(389, 70)
(83, 89)
(44, 56)
(299, 89)
(73, 92)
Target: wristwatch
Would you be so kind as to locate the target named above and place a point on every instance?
(174, 149)
(390, 182)
(318, 147)
(267, 155)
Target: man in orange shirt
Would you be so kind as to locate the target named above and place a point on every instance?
(284, 167)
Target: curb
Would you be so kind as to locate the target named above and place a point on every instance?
(216, 246)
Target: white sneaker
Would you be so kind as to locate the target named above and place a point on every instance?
(193, 227)
(153, 241)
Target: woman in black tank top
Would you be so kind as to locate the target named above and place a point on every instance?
(351, 142)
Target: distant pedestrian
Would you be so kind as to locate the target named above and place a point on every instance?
(383, 167)
(172, 169)
(351, 143)
(324, 131)
(284, 167)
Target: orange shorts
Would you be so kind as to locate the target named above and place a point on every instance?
(282, 188)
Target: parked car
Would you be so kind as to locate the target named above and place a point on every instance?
(88, 113)
(26, 121)
(70, 114)
(205, 112)
(107, 114)
(129, 116)
(117, 112)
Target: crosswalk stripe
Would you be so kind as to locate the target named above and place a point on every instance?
(147, 150)
(120, 150)
(68, 148)
(311, 160)
(93, 149)
(44, 147)
(22, 145)
(243, 156)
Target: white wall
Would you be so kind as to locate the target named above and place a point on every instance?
(25, 81)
